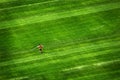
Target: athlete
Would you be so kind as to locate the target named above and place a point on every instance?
(40, 47)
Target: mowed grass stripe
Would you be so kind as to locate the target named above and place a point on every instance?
(77, 41)
(109, 55)
(28, 33)
(86, 58)
(43, 9)
(30, 3)
(67, 61)
(92, 69)
(86, 66)
(87, 71)
(100, 76)
(98, 69)
(54, 16)
(80, 48)
(58, 34)
(70, 61)
(97, 76)
(67, 58)
(56, 57)
(30, 30)
(38, 75)
(23, 3)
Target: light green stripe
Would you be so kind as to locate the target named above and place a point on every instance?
(34, 58)
(81, 48)
(28, 5)
(37, 18)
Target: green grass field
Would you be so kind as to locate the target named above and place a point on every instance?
(81, 39)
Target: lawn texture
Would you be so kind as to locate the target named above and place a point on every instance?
(81, 39)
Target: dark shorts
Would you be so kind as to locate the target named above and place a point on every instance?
(40, 49)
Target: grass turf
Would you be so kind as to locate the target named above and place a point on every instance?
(81, 39)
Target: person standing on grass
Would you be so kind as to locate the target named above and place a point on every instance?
(40, 47)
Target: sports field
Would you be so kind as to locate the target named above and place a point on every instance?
(81, 39)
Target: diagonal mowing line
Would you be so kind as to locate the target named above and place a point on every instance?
(19, 78)
(66, 67)
(94, 64)
(93, 75)
(52, 63)
(29, 52)
(34, 58)
(29, 5)
(85, 76)
(79, 42)
(107, 62)
(108, 38)
(55, 16)
(83, 48)
(98, 74)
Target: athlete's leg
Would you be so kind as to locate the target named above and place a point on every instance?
(40, 50)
